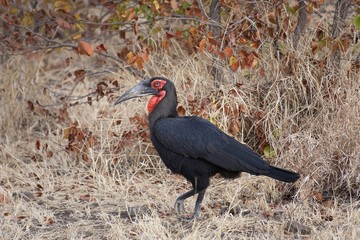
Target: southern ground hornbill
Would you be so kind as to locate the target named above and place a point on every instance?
(194, 147)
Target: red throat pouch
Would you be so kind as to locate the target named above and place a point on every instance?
(155, 100)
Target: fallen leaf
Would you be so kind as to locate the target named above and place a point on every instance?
(174, 4)
(234, 63)
(101, 48)
(4, 199)
(202, 44)
(228, 52)
(85, 48)
(79, 75)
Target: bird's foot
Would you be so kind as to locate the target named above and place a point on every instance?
(179, 206)
(190, 218)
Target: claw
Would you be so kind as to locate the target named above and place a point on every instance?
(190, 218)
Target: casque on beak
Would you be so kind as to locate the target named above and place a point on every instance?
(140, 90)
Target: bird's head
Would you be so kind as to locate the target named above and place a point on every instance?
(156, 86)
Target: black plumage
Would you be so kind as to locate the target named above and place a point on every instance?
(194, 147)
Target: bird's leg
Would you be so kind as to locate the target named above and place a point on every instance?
(179, 203)
(198, 202)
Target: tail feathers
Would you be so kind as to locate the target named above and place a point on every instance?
(282, 174)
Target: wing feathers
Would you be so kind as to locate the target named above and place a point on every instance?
(198, 138)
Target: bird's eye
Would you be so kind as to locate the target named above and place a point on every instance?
(156, 84)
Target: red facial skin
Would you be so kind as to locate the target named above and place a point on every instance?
(158, 85)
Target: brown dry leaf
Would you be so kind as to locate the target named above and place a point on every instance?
(136, 28)
(85, 48)
(270, 31)
(318, 196)
(169, 35)
(221, 54)
(202, 44)
(131, 16)
(242, 40)
(110, 5)
(69, 131)
(85, 197)
(49, 154)
(62, 23)
(37, 109)
(211, 48)
(193, 30)
(139, 62)
(37, 145)
(123, 53)
(101, 88)
(165, 43)
(101, 48)
(174, 4)
(4, 199)
(234, 64)
(268, 214)
(49, 221)
(122, 34)
(181, 110)
(254, 63)
(30, 105)
(5, 3)
(131, 57)
(66, 62)
(79, 75)
(85, 157)
(272, 17)
(228, 52)
(63, 113)
(242, 54)
(255, 44)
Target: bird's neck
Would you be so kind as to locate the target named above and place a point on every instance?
(165, 108)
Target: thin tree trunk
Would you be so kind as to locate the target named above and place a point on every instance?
(341, 11)
(300, 26)
(215, 15)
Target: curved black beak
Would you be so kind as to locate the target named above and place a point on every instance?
(140, 90)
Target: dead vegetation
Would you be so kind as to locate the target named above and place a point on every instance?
(121, 188)
(90, 172)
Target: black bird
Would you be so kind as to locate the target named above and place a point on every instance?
(194, 147)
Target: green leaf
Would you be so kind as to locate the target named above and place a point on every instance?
(357, 22)
(269, 152)
(186, 5)
(290, 9)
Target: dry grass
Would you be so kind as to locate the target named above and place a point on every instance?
(313, 131)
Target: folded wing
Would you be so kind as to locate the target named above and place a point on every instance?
(197, 138)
